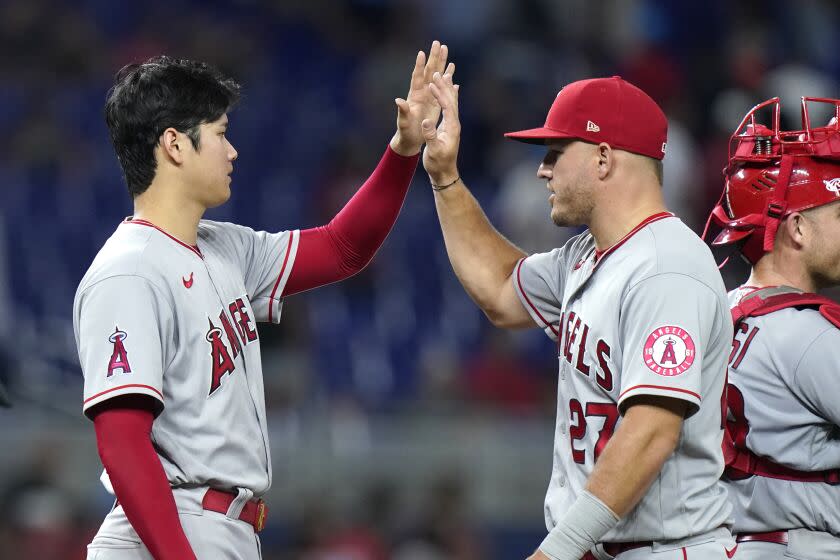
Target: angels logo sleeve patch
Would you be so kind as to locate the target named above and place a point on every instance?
(122, 323)
(662, 319)
(669, 350)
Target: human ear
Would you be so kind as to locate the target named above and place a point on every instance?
(605, 160)
(797, 228)
(171, 143)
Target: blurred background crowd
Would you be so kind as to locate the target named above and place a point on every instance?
(403, 425)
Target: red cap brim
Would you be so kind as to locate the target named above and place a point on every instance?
(538, 135)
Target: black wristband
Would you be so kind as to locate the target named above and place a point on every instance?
(441, 187)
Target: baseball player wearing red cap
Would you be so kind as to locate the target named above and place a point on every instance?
(639, 313)
(781, 210)
(165, 318)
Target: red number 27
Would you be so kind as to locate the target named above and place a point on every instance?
(578, 424)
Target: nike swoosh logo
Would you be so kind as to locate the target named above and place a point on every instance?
(188, 283)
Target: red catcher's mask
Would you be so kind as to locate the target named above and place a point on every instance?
(771, 173)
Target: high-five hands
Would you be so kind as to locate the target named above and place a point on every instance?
(440, 158)
(419, 105)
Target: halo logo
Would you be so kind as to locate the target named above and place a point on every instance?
(669, 351)
(833, 185)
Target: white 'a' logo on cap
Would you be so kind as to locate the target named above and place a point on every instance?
(592, 127)
(833, 185)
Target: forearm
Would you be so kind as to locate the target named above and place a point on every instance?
(481, 257)
(139, 481)
(624, 471)
(347, 244)
(635, 454)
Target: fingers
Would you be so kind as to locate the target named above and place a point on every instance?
(402, 105)
(441, 62)
(418, 73)
(437, 60)
(445, 92)
(450, 69)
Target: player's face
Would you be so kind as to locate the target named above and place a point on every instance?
(565, 170)
(822, 251)
(212, 164)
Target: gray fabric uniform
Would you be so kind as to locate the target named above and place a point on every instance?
(784, 369)
(157, 317)
(647, 317)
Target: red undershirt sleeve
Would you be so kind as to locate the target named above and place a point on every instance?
(123, 437)
(346, 245)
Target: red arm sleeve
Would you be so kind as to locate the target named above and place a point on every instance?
(346, 245)
(123, 436)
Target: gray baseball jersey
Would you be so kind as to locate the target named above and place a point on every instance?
(157, 317)
(783, 372)
(646, 317)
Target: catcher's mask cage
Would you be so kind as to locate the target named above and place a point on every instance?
(771, 173)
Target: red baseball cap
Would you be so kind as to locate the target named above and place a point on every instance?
(608, 110)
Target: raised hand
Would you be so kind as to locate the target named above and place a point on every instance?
(419, 104)
(440, 158)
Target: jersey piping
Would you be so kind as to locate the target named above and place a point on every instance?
(280, 277)
(601, 255)
(112, 389)
(527, 299)
(193, 248)
(692, 393)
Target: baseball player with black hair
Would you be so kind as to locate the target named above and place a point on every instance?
(781, 210)
(639, 313)
(165, 318)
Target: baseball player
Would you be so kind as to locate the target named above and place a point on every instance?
(781, 210)
(638, 311)
(165, 318)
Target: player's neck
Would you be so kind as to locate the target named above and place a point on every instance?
(777, 269)
(609, 225)
(173, 214)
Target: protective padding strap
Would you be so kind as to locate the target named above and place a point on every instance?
(768, 300)
(777, 206)
(580, 529)
(741, 462)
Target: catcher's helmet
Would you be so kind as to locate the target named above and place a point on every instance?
(772, 173)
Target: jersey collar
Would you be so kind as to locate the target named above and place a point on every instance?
(601, 255)
(135, 221)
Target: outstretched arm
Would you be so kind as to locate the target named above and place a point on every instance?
(347, 244)
(483, 260)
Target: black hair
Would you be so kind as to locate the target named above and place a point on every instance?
(160, 93)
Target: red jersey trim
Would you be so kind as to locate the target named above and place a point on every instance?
(97, 395)
(522, 291)
(193, 248)
(686, 391)
(280, 276)
(601, 255)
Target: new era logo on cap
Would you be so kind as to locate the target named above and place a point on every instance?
(592, 127)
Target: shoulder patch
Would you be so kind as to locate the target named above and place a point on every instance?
(669, 351)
